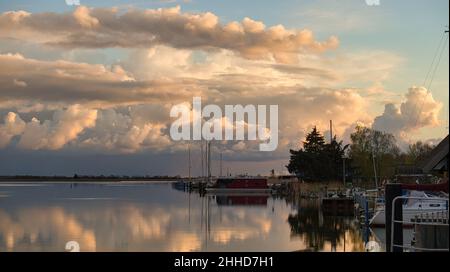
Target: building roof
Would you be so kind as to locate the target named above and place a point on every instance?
(438, 158)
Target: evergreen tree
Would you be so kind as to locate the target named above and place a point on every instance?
(317, 161)
(314, 142)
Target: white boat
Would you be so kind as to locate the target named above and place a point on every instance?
(412, 207)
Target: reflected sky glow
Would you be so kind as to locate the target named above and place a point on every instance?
(155, 217)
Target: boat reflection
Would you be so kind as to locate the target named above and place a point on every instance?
(242, 200)
(157, 217)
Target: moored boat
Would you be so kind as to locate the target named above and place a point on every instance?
(412, 207)
(231, 185)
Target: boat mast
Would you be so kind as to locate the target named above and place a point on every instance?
(331, 131)
(373, 160)
(209, 160)
(220, 173)
(201, 156)
(189, 156)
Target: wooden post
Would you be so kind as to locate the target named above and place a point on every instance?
(392, 191)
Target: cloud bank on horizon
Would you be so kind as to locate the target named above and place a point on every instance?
(172, 56)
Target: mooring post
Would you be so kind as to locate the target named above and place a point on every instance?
(391, 192)
(366, 220)
(366, 211)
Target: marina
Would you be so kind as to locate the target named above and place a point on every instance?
(155, 216)
(258, 127)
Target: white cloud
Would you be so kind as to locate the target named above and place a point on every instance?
(13, 125)
(65, 126)
(103, 28)
(417, 111)
(126, 133)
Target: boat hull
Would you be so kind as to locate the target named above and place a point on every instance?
(238, 191)
(379, 218)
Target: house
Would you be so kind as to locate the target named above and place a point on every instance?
(437, 162)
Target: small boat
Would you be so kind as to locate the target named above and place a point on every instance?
(239, 185)
(411, 207)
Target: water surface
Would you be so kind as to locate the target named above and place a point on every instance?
(157, 217)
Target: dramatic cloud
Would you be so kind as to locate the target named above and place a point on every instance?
(12, 126)
(103, 28)
(127, 133)
(69, 82)
(172, 57)
(133, 102)
(51, 134)
(417, 111)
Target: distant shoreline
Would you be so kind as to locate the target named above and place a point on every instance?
(83, 179)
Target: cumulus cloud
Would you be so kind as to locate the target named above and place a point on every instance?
(83, 17)
(103, 28)
(13, 125)
(417, 111)
(175, 56)
(126, 133)
(53, 134)
(133, 114)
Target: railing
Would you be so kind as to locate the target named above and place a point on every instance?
(363, 201)
(416, 223)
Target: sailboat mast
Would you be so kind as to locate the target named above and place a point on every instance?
(373, 160)
(209, 161)
(220, 173)
(189, 157)
(201, 156)
(331, 131)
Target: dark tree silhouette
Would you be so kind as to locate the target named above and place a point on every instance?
(317, 161)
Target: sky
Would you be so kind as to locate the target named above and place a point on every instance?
(88, 88)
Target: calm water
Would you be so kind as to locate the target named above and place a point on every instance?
(157, 217)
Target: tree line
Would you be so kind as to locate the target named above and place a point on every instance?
(369, 151)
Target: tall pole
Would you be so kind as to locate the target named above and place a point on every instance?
(201, 156)
(394, 230)
(375, 170)
(209, 161)
(373, 161)
(206, 161)
(220, 164)
(189, 156)
(331, 131)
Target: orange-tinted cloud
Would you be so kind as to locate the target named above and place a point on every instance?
(103, 28)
